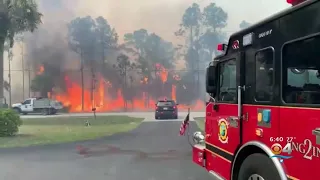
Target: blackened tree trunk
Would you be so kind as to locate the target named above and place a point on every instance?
(2, 40)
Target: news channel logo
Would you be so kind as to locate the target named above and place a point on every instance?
(277, 149)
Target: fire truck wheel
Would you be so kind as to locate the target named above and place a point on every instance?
(258, 167)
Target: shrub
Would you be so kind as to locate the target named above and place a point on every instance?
(9, 122)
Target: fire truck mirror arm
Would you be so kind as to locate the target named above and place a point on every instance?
(316, 132)
(255, 147)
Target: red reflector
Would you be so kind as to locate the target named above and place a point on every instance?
(295, 2)
(220, 47)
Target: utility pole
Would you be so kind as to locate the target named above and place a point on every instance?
(103, 49)
(22, 64)
(155, 79)
(198, 69)
(162, 88)
(29, 76)
(82, 82)
(93, 88)
(125, 91)
(10, 55)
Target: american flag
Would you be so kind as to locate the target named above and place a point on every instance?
(184, 125)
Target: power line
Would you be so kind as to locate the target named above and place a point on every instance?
(168, 30)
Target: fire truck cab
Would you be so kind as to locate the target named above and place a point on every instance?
(265, 90)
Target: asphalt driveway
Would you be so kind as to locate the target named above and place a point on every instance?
(153, 151)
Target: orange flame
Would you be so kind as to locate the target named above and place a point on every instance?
(163, 72)
(102, 99)
(173, 93)
(40, 70)
(144, 80)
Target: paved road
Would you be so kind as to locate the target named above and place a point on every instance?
(147, 115)
(153, 151)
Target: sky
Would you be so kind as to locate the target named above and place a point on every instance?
(163, 17)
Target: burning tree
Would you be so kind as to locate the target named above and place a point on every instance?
(42, 83)
(48, 61)
(154, 56)
(123, 66)
(91, 39)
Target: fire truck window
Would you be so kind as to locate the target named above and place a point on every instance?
(264, 75)
(227, 81)
(301, 71)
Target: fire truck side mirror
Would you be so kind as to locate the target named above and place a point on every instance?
(211, 80)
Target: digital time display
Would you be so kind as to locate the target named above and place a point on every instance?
(282, 139)
(276, 139)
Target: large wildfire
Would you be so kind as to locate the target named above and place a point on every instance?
(101, 98)
(99, 85)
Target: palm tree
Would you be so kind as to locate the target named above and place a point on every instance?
(16, 16)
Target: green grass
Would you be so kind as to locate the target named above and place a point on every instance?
(67, 129)
(200, 122)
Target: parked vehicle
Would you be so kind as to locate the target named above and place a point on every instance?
(38, 105)
(166, 109)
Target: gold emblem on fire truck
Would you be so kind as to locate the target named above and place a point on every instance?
(223, 130)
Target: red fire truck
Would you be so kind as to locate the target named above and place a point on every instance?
(265, 101)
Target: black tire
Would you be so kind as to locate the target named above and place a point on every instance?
(54, 111)
(258, 164)
(176, 117)
(17, 110)
(45, 112)
(24, 113)
(48, 111)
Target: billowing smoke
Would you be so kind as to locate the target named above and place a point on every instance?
(47, 48)
(50, 40)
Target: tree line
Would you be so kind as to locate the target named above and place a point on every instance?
(141, 55)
